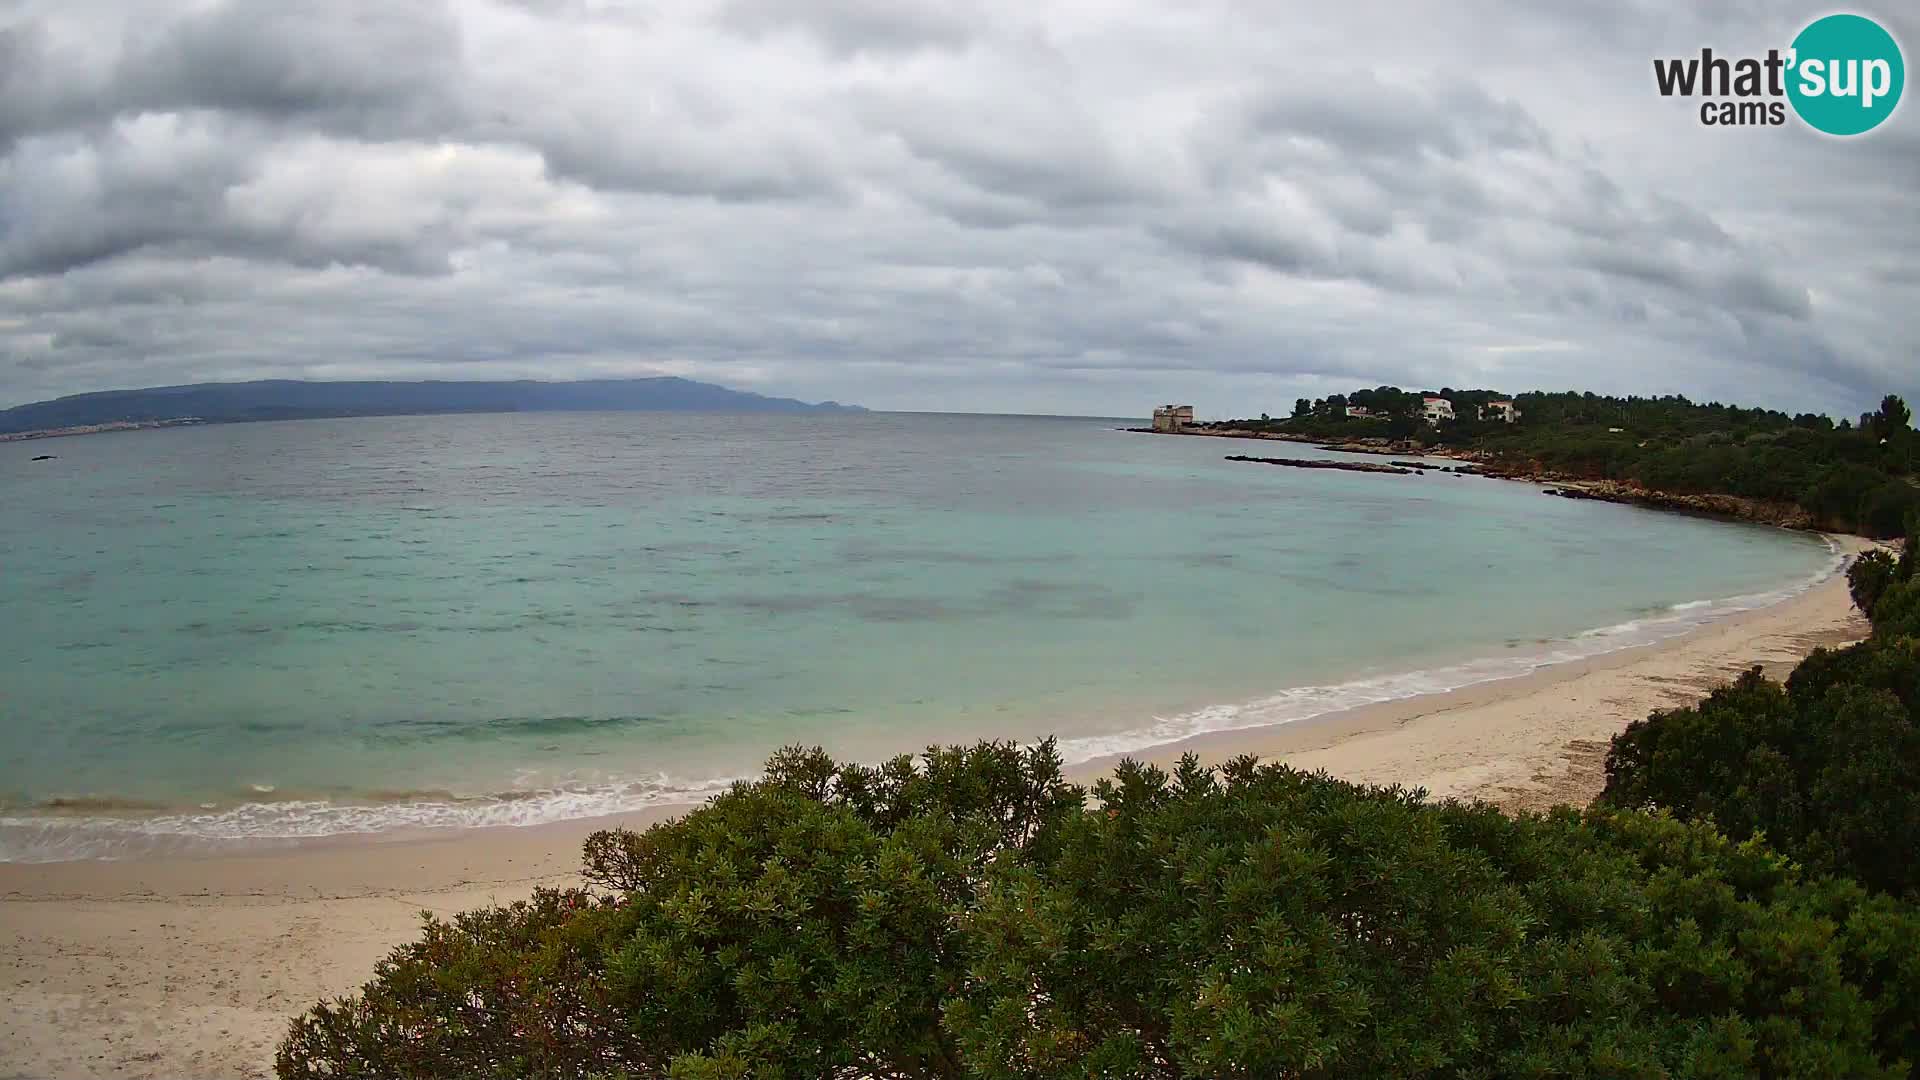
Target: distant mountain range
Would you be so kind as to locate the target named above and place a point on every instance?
(291, 399)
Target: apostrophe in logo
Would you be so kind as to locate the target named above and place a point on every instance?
(1843, 75)
(1847, 74)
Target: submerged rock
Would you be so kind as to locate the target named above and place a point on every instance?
(1314, 463)
(1735, 507)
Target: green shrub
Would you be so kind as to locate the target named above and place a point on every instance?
(1827, 768)
(1884, 510)
(972, 916)
(1896, 614)
(1894, 588)
(1868, 577)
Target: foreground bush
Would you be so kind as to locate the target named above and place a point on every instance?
(1896, 614)
(1826, 767)
(969, 916)
(1869, 577)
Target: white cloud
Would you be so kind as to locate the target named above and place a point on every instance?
(1079, 206)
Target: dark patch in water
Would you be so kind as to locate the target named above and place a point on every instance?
(1058, 600)
(1205, 560)
(899, 608)
(819, 710)
(691, 547)
(800, 517)
(503, 727)
(784, 604)
(95, 804)
(854, 553)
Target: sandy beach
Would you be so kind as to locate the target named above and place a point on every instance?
(192, 967)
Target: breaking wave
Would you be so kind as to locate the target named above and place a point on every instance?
(68, 836)
(1306, 702)
(102, 827)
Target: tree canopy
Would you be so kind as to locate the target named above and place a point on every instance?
(1863, 479)
(972, 915)
(1826, 767)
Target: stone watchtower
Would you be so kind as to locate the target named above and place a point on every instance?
(1172, 418)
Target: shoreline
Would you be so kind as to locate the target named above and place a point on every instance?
(1536, 740)
(193, 964)
(93, 828)
(1712, 506)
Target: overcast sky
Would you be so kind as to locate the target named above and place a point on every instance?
(998, 205)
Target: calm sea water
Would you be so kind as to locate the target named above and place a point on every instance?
(245, 633)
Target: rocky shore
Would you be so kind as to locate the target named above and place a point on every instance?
(1366, 446)
(1315, 463)
(1759, 511)
(1479, 463)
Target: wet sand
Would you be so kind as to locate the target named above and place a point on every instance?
(193, 966)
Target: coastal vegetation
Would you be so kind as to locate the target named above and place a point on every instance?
(969, 916)
(1825, 767)
(1861, 477)
(1738, 904)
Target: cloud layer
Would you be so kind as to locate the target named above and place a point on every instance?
(960, 204)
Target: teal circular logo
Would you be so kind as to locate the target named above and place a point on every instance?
(1845, 74)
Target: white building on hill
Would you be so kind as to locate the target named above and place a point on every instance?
(1499, 410)
(1436, 409)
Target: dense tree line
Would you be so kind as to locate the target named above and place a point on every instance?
(1856, 477)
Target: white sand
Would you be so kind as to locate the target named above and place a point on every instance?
(192, 967)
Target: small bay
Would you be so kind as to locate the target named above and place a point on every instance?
(245, 633)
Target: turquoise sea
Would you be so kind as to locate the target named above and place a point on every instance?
(244, 634)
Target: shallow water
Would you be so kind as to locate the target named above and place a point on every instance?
(243, 632)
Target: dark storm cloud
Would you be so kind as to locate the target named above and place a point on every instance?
(979, 205)
(375, 64)
(74, 201)
(191, 187)
(28, 90)
(365, 67)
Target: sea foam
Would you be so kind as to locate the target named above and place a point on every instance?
(70, 836)
(1308, 702)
